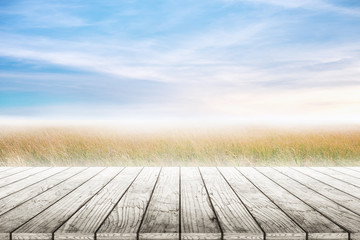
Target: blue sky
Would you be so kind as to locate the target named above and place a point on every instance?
(239, 59)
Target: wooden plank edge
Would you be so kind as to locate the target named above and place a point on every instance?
(243, 236)
(133, 236)
(328, 236)
(31, 236)
(201, 236)
(116, 236)
(289, 236)
(78, 235)
(160, 236)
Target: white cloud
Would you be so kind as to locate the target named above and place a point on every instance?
(322, 5)
(130, 59)
(43, 14)
(233, 70)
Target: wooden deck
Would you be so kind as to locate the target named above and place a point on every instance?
(179, 203)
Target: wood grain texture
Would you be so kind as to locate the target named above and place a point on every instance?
(341, 198)
(347, 171)
(13, 171)
(338, 175)
(161, 220)
(173, 203)
(21, 184)
(198, 220)
(15, 218)
(17, 198)
(235, 220)
(124, 220)
(275, 223)
(87, 220)
(336, 183)
(342, 216)
(315, 224)
(21, 175)
(47, 222)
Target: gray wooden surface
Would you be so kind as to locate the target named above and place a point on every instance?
(161, 220)
(179, 203)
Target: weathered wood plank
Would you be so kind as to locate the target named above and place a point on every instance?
(235, 220)
(355, 169)
(13, 171)
(21, 175)
(341, 198)
(342, 216)
(161, 220)
(47, 222)
(26, 182)
(87, 220)
(3, 170)
(25, 194)
(315, 224)
(347, 171)
(338, 175)
(13, 219)
(124, 220)
(341, 185)
(49, 205)
(275, 223)
(198, 220)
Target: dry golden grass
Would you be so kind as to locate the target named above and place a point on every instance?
(60, 146)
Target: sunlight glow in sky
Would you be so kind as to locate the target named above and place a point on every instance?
(245, 60)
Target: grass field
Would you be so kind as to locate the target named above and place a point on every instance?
(70, 146)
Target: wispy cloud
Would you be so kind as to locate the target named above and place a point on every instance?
(324, 5)
(43, 14)
(233, 60)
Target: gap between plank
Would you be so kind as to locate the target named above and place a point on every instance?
(117, 202)
(345, 229)
(53, 233)
(357, 171)
(317, 192)
(325, 183)
(15, 172)
(211, 204)
(44, 192)
(306, 233)
(34, 183)
(25, 177)
(334, 177)
(264, 234)
(147, 205)
(52, 204)
(333, 169)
